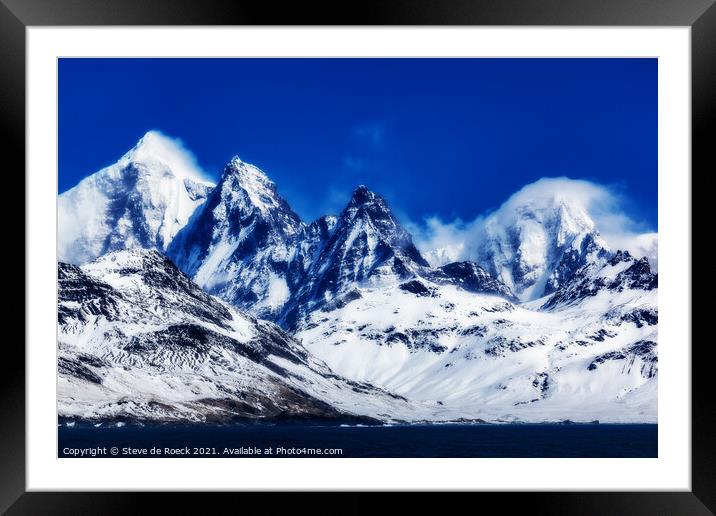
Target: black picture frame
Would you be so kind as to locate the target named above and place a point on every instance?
(17, 15)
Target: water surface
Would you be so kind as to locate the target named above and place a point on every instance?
(508, 440)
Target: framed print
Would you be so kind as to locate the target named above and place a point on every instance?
(425, 249)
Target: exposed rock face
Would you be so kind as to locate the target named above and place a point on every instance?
(621, 272)
(366, 245)
(471, 277)
(243, 244)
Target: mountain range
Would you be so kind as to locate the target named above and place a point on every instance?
(184, 300)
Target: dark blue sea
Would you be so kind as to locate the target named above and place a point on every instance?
(281, 441)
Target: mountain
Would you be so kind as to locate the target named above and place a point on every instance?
(543, 323)
(536, 241)
(640, 244)
(366, 245)
(139, 341)
(141, 201)
(621, 273)
(245, 244)
(240, 240)
(590, 354)
(471, 277)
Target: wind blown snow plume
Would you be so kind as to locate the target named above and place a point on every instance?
(533, 228)
(156, 146)
(141, 201)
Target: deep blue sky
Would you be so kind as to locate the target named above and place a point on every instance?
(447, 137)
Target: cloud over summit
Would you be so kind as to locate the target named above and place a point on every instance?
(592, 204)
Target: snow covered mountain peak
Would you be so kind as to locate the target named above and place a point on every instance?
(366, 245)
(368, 236)
(242, 244)
(250, 177)
(369, 202)
(141, 201)
(362, 195)
(159, 152)
(369, 214)
(537, 239)
(246, 187)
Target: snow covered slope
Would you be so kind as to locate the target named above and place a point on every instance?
(140, 341)
(139, 202)
(600, 286)
(591, 355)
(539, 238)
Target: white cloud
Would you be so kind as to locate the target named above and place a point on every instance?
(156, 145)
(445, 241)
(644, 244)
